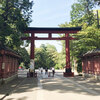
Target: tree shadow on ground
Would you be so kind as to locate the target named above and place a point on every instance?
(22, 98)
(19, 85)
(89, 83)
(71, 85)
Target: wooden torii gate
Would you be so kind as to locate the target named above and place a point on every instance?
(50, 31)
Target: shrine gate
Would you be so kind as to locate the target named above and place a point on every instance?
(51, 31)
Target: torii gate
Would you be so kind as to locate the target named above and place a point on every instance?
(50, 31)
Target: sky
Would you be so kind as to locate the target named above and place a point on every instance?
(50, 13)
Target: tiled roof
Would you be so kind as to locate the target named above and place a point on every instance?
(2, 47)
(92, 53)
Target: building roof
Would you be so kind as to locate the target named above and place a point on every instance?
(94, 52)
(8, 51)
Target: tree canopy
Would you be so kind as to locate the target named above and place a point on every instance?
(25, 58)
(82, 12)
(15, 15)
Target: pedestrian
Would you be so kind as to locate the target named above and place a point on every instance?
(53, 71)
(49, 72)
(46, 70)
(41, 70)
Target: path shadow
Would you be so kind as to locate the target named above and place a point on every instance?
(19, 85)
(66, 85)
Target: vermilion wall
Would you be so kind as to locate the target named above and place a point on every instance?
(91, 65)
(8, 63)
(0, 66)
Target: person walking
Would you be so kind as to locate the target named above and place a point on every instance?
(41, 70)
(46, 71)
(53, 71)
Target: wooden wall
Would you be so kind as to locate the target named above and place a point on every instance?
(91, 64)
(9, 63)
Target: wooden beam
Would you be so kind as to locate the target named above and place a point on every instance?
(48, 38)
(41, 32)
(52, 30)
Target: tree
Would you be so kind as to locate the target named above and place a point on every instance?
(40, 57)
(45, 56)
(82, 12)
(15, 15)
(25, 58)
(52, 55)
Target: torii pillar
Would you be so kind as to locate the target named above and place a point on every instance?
(32, 46)
(68, 72)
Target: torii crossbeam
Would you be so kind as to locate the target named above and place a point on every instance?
(51, 31)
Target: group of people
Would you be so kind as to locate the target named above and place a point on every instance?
(48, 71)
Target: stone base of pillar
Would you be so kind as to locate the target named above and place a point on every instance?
(31, 74)
(68, 73)
(71, 74)
(8, 79)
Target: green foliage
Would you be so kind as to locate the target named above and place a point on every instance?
(82, 12)
(25, 58)
(88, 39)
(15, 15)
(45, 56)
(79, 66)
(61, 61)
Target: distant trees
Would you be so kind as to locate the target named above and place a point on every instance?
(46, 56)
(25, 58)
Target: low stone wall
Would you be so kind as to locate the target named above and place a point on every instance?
(0, 81)
(91, 76)
(97, 77)
(6, 80)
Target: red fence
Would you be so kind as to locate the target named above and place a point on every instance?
(91, 63)
(8, 62)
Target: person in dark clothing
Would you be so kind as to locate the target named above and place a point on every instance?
(46, 70)
(53, 71)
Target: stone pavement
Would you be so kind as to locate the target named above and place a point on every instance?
(51, 88)
(20, 89)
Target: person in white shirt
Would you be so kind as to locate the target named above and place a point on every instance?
(41, 70)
